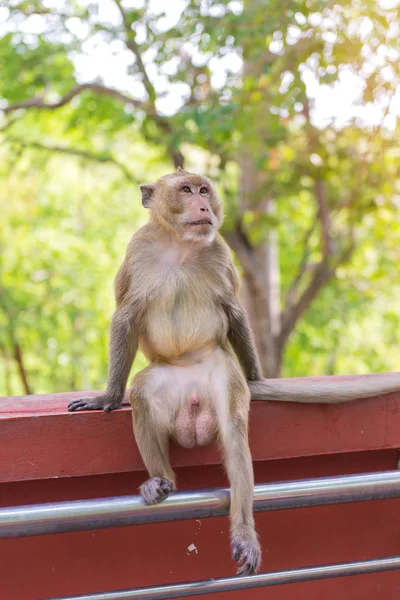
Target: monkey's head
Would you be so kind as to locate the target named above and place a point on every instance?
(185, 204)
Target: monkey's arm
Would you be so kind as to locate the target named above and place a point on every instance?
(124, 339)
(317, 392)
(242, 342)
(324, 392)
(122, 350)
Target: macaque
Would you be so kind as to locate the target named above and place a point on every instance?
(176, 299)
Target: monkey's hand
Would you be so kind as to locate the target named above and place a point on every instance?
(246, 550)
(103, 402)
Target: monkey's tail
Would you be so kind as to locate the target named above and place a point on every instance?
(327, 391)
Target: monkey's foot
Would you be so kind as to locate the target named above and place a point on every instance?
(248, 552)
(98, 403)
(155, 490)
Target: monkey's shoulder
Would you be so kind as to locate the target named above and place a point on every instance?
(222, 256)
(140, 243)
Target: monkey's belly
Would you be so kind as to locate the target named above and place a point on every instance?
(195, 424)
(181, 329)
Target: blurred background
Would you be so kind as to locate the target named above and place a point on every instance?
(291, 107)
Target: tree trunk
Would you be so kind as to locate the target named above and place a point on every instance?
(21, 367)
(7, 373)
(261, 264)
(14, 342)
(262, 282)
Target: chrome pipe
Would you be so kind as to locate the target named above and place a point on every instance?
(230, 584)
(78, 515)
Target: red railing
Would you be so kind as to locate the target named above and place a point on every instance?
(47, 454)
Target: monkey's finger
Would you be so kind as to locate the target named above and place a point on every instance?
(77, 408)
(74, 405)
(246, 569)
(81, 404)
(248, 553)
(250, 565)
(237, 550)
(237, 554)
(166, 487)
(111, 406)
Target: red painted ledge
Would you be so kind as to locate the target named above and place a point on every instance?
(50, 455)
(39, 439)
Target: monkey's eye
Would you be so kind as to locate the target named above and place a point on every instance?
(203, 190)
(186, 189)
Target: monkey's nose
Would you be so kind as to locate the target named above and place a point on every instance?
(204, 209)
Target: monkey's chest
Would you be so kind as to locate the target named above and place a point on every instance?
(183, 318)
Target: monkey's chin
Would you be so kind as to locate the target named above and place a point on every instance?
(200, 233)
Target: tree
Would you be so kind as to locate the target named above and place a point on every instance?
(235, 81)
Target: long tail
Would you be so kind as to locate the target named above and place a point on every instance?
(327, 390)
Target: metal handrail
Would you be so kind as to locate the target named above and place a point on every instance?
(230, 584)
(102, 513)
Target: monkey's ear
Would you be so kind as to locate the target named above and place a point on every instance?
(147, 190)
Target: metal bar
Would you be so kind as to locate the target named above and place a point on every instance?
(78, 515)
(230, 584)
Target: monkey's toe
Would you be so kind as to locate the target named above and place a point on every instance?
(248, 552)
(155, 490)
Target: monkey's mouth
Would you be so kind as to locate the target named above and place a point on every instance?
(201, 222)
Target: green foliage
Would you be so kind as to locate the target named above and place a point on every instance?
(64, 229)
(28, 68)
(68, 204)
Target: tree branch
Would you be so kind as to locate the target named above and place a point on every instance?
(21, 366)
(323, 273)
(319, 185)
(321, 276)
(174, 153)
(149, 106)
(95, 87)
(362, 168)
(324, 218)
(134, 47)
(8, 124)
(16, 348)
(76, 152)
(7, 371)
(32, 10)
(304, 266)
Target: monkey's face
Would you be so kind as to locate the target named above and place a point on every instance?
(197, 208)
(186, 202)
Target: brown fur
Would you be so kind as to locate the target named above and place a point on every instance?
(176, 297)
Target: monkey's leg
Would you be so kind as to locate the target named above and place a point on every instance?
(152, 438)
(238, 463)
